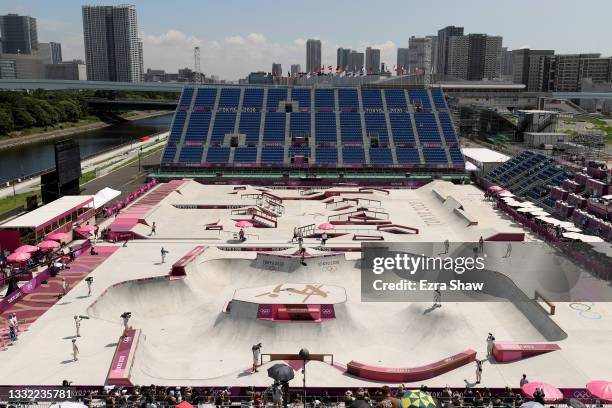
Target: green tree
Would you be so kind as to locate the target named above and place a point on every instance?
(6, 122)
(23, 119)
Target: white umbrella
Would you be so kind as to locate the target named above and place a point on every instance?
(68, 404)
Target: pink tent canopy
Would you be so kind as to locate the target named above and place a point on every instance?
(504, 193)
(18, 257)
(327, 226)
(244, 224)
(58, 236)
(87, 227)
(48, 245)
(494, 188)
(551, 393)
(27, 249)
(601, 389)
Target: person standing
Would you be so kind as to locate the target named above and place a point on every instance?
(77, 323)
(478, 371)
(446, 246)
(89, 281)
(508, 250)
(295, 234)
(75, 350)
(163, 255)
(64, 285)
(153, 229)
(324, 238)
(256, 349)
(125, 317)
(96, 233)
(301, 243)
(490, 344)
(437, 298)
(481, 245)
(524, 380)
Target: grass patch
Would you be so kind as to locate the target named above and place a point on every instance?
(59, 126)
(88, 176)
(603, 126)
(19, 200)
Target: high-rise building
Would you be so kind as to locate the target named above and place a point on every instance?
(69, 70)
(140, 59)
(313, 55)
(295, 69)
(506, 63)
(112, 50)
(26, 66)
(356, 61)
(19, 34)
(419, 56)
(402, 61)
(474, 57)
(434, 53)
(372, 60)
(50, 53)
(342, 57)
(532, 68)
(277, 69)
(568, 70)
(444, 36)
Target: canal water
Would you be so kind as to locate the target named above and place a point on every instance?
(25, 160)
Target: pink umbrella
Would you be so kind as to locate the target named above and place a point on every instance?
(244, 224)
(494, 188)
(58, 236)
(27, 249)
(18, 257)
(504, 193)
(49, 245)
(551, 394)
(601, 389)
(327, 226)
(87, 227)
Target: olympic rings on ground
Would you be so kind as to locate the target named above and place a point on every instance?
(581, 307)
(590, 315)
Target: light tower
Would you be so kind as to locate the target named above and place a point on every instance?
(197, 68)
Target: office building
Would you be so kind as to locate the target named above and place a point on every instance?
(372, 60)
(474, 57)
(532, 68)
(568, 70)
(313, 55)
(26, 66)
(112, 50)
(50, 53)
(295, 69)
(506, 63)
(8, 69)
(356, 61)
(434, 53)
(69, 70)
(444, 36)
(277, 69)
(19, 34)
(419, 55)
(342, 58)
(402, 61)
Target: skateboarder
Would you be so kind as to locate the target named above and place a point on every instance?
(75, 350)
(163, 255)
(89, 281)
(437, 298)
(256, 349)
(125, 317)
(508, 250)
(446, 246)
(77, 323)
(478, 371)
(153, 228)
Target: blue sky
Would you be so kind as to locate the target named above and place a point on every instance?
(237, 37)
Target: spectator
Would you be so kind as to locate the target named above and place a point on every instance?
(524, 380)
(387, 401)
(360, 400)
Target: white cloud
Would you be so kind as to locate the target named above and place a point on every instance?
(256, 38)
(234, 39)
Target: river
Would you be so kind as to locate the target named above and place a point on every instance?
(32, 158)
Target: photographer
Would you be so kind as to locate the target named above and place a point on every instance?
(256, 349)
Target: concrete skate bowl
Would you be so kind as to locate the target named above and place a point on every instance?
(188, 338)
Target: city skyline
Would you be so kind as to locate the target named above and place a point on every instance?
(273, 34)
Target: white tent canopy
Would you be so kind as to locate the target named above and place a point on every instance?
(582, 237)
(104, 196)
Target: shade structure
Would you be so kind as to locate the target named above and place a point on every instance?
(17, 257)
(58, 236)
(494, 188)
(244, 224)
(601, 390)
(327, 226)
(48, 245)
(87, 227)
(281, 372)
(532, 404)
(27, 248)
(504, 193)
(184, 404)
(551, 393)
(417, 399)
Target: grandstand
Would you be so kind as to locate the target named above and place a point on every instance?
(235, 131)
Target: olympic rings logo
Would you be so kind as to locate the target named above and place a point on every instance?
(329, 268)
(327, 311)
(582, 395)
(584, 310)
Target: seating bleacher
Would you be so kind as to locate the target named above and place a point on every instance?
(456, 155)
(381, 155)
(427, 128)
(274, 127)
(401, 126)
(224, 123)
(205, 98)
(407, 155)
(376, 124)
(348, 99)
(229, 98)
(169, 154)
(185, 100)
(177, 126)
(434, 155)
(324, 99)
(438, 98)
(249, 125)
(300, 124)
(191, 154)
(353, 155)
(396, 99)
(325, 127)
(197, 130)
(371, 99)
(218, 154)
(245, 155)
(327, 155)
(253, 98)
(302, 96)
(272, 154)
(350, 127)
(419, 97)
(275, 95)
(447, 128)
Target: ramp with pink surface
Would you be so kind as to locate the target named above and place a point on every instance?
(507, 352)
(398, 375)
(179, 268)
(121, 367)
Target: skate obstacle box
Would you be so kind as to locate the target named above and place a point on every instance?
(179, 268)
(123, 360)
(507, 352)
(398, 375)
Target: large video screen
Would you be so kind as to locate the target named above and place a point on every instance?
(67, 161)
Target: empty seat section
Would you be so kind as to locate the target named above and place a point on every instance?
(456, 155)
(205, 98)
(401, 127)
(324, 99)
(427, 127)
(229, 98)
(447, 128)
(302, 96)
(380, 155)
(353, 155)
(299, 151)
(218, 154)
(348, 99)
(350, 127)
(438, 98)
(253, 98)
(249, 125)
(224, 123)
(275, 95)
(169, 154)
(300, 124)
(327, 155)
(197, 130)
(396, 99)
(274, 130)
(245, 155)
(325, 127)
(419, 97)
(407, 155)
(371, 99)
(177, 126)
(272, 154)
(376, 125)
(434, 155)
(186, 96)
(191, 154)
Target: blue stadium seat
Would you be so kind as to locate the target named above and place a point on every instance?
(218, 154)
(447, 128)
(249, 125)
(191, 154)
(253, 98)
(324, 99)
(371, 99)
(396, 99)
(205, 98)
(186, 98)
(350, 127)
(438, 98)
(245, 155)
(407, 155)
(401, 126)
(325, 127)
(177, 126)
(456, 155)
(274, 127)
(197, 130)
(434, 155)
(275, 95)
(299, 151)
(224, 123)
(419, 97)
(380, 155)
(348, 99)
(376, 124)
(272, 154)
(229, 98)
(327, 155)
(302, 96)
(427, 127)
(169, 153)
(353, 155)
(300, 124)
